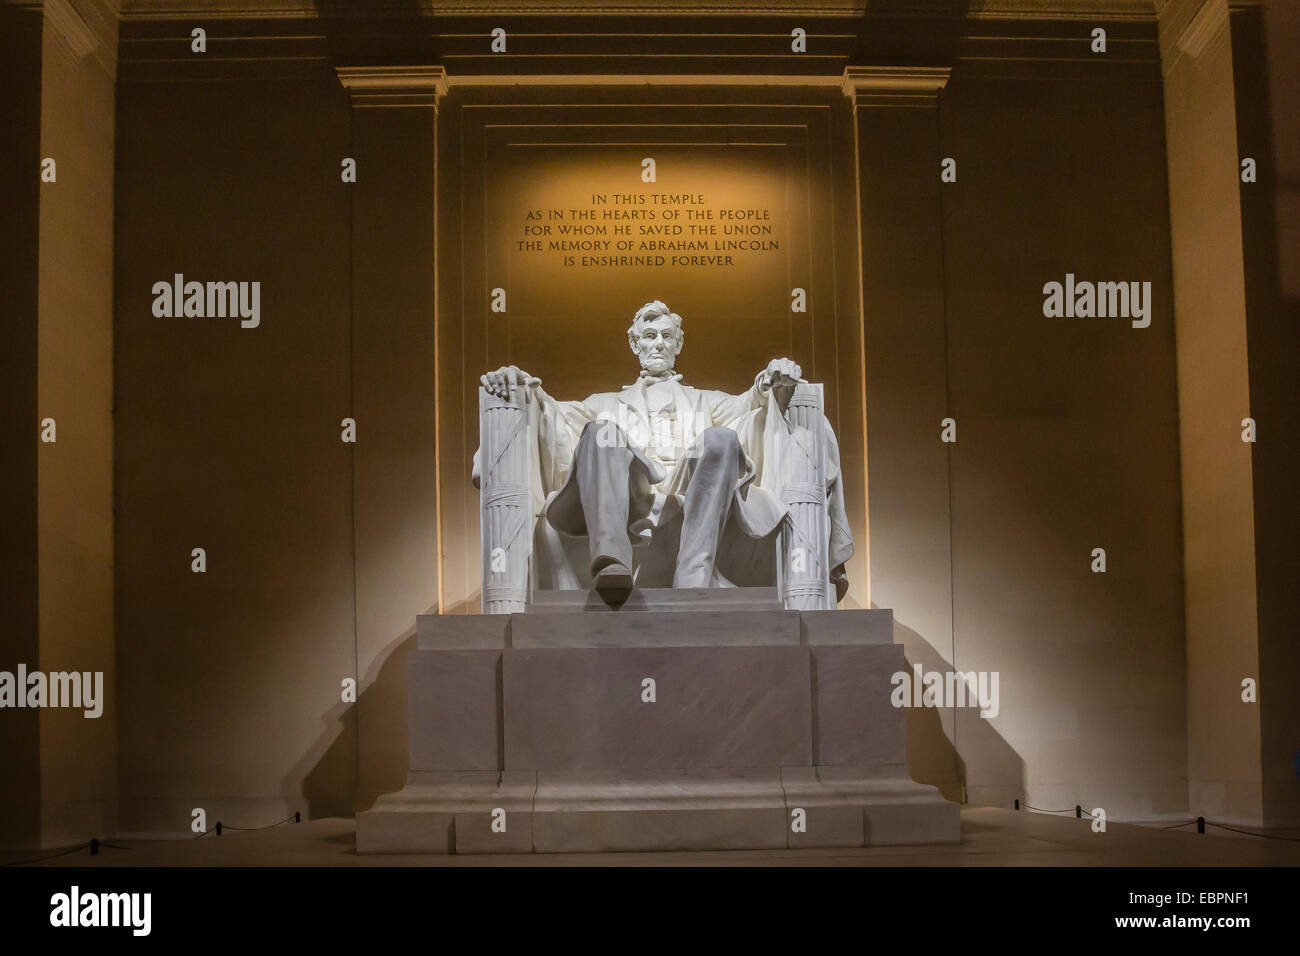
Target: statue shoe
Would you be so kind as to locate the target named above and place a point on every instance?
(613, 577)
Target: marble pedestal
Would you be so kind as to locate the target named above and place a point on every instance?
(533, 733)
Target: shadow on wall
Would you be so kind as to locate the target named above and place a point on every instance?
(1267, 99)
(362, 750)
(931, 755)
(320, 775)
(934, 7)
(471, 605)
(344, 24)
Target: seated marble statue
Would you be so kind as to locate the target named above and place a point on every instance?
(675, 472)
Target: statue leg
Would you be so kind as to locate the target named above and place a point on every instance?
(611, 484)
(714, 463)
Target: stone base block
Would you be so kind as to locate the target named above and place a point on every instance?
(570, 812)
(700, 731)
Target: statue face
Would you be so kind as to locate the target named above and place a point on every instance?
(657, 345)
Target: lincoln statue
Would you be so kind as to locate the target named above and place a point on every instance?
(661, 461)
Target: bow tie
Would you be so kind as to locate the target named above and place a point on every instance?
(654, 378)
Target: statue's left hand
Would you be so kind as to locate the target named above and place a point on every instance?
(780, 372)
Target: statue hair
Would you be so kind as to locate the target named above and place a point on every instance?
(648, 313)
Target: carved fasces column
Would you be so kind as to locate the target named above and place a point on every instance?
(800, 448)
(507, 462)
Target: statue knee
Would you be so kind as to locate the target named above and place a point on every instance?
(602, 433)
(718, 441)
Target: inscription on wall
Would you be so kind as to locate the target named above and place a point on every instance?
(648, 229)
(577, 242)
(574, 229)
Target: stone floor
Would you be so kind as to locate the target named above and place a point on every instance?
(990, 837)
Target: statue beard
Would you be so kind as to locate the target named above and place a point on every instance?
(653, 370)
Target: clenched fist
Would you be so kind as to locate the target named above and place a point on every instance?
(500, 382)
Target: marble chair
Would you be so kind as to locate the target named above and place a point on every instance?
(527, 564)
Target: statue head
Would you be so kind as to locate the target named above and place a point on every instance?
(656, 336)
